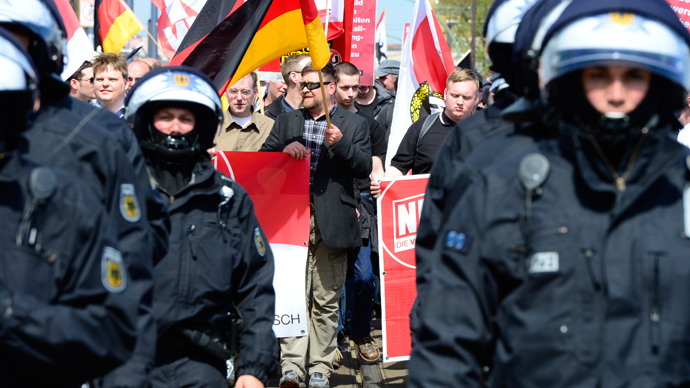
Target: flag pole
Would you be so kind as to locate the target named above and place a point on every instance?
(328, 16)
(325, 102)
(141, 25)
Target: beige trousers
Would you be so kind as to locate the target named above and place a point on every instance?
(326, 270)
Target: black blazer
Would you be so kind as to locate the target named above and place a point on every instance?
(333, 187)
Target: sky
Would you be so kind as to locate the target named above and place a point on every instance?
(398, 12)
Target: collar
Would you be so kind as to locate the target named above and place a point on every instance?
(234, 124)
(445, 120)
(308, 116)
(286, 105)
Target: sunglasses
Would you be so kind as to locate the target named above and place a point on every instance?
(312, 85)
(87, 79)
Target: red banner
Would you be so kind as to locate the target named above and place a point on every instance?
(682, 9)
(363, 48)
(278, 184)
(399, 207)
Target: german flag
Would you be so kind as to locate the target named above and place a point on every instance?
(253, 34)
(114, 24)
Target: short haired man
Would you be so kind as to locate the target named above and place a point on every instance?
(387, 74)
(371, 99)
(291, 70)
(423, 140)
(243, 129)
(364, 281)
(81, 83)
(274, 90)
(153, 62)
(110, 82)
(339, 154)
(136, 70)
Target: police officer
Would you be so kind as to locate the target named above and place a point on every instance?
(102, 151)
(447, 178)
(219, 256)
(565, 265)
(65, 315)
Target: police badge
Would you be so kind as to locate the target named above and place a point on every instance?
(259, 242)
(129, 206)
(113, 274)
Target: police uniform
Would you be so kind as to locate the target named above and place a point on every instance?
(70, 316)
(552, 270)
(219, 258)
(101, 151)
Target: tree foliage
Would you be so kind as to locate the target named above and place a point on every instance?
(456, 17)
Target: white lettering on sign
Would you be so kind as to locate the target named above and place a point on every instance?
(407, 212)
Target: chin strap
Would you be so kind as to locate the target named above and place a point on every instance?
(620, 180)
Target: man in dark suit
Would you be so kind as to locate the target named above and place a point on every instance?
(339, 154)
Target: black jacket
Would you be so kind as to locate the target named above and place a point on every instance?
(72, 316)
(101, 150)
(276, 108)
(218, 257)
(333, 187)
(585, 285)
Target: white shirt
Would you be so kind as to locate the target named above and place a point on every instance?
(684, 136)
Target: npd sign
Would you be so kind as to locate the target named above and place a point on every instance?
(406, 214)
(400, 207)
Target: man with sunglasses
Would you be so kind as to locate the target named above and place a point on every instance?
(81, 83)
(338, 154)
(243, 129)
(290, 70)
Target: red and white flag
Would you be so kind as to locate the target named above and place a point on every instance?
(426, 57)
(176, 18)
(79, 46)
(278, 185)
(381, 39)
(335, 17)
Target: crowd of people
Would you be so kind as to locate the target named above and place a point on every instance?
(549, 249)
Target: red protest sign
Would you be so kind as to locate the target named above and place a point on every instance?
(272, 178)
(399, 206)
(363, 47)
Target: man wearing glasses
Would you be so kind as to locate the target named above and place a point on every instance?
(135, 70)
(338, 154)
(243, 129)
(81, 83)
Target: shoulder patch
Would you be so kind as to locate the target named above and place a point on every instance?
(259, 242)
(113, 274)
(459, 241)
(129, 205)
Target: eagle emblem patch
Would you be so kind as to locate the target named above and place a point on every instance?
(113, 274)
(259, 242)
(181, 80)
(129, 206)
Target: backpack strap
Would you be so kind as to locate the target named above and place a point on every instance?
(428, 122)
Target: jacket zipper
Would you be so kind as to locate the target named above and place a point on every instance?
(655, 312)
